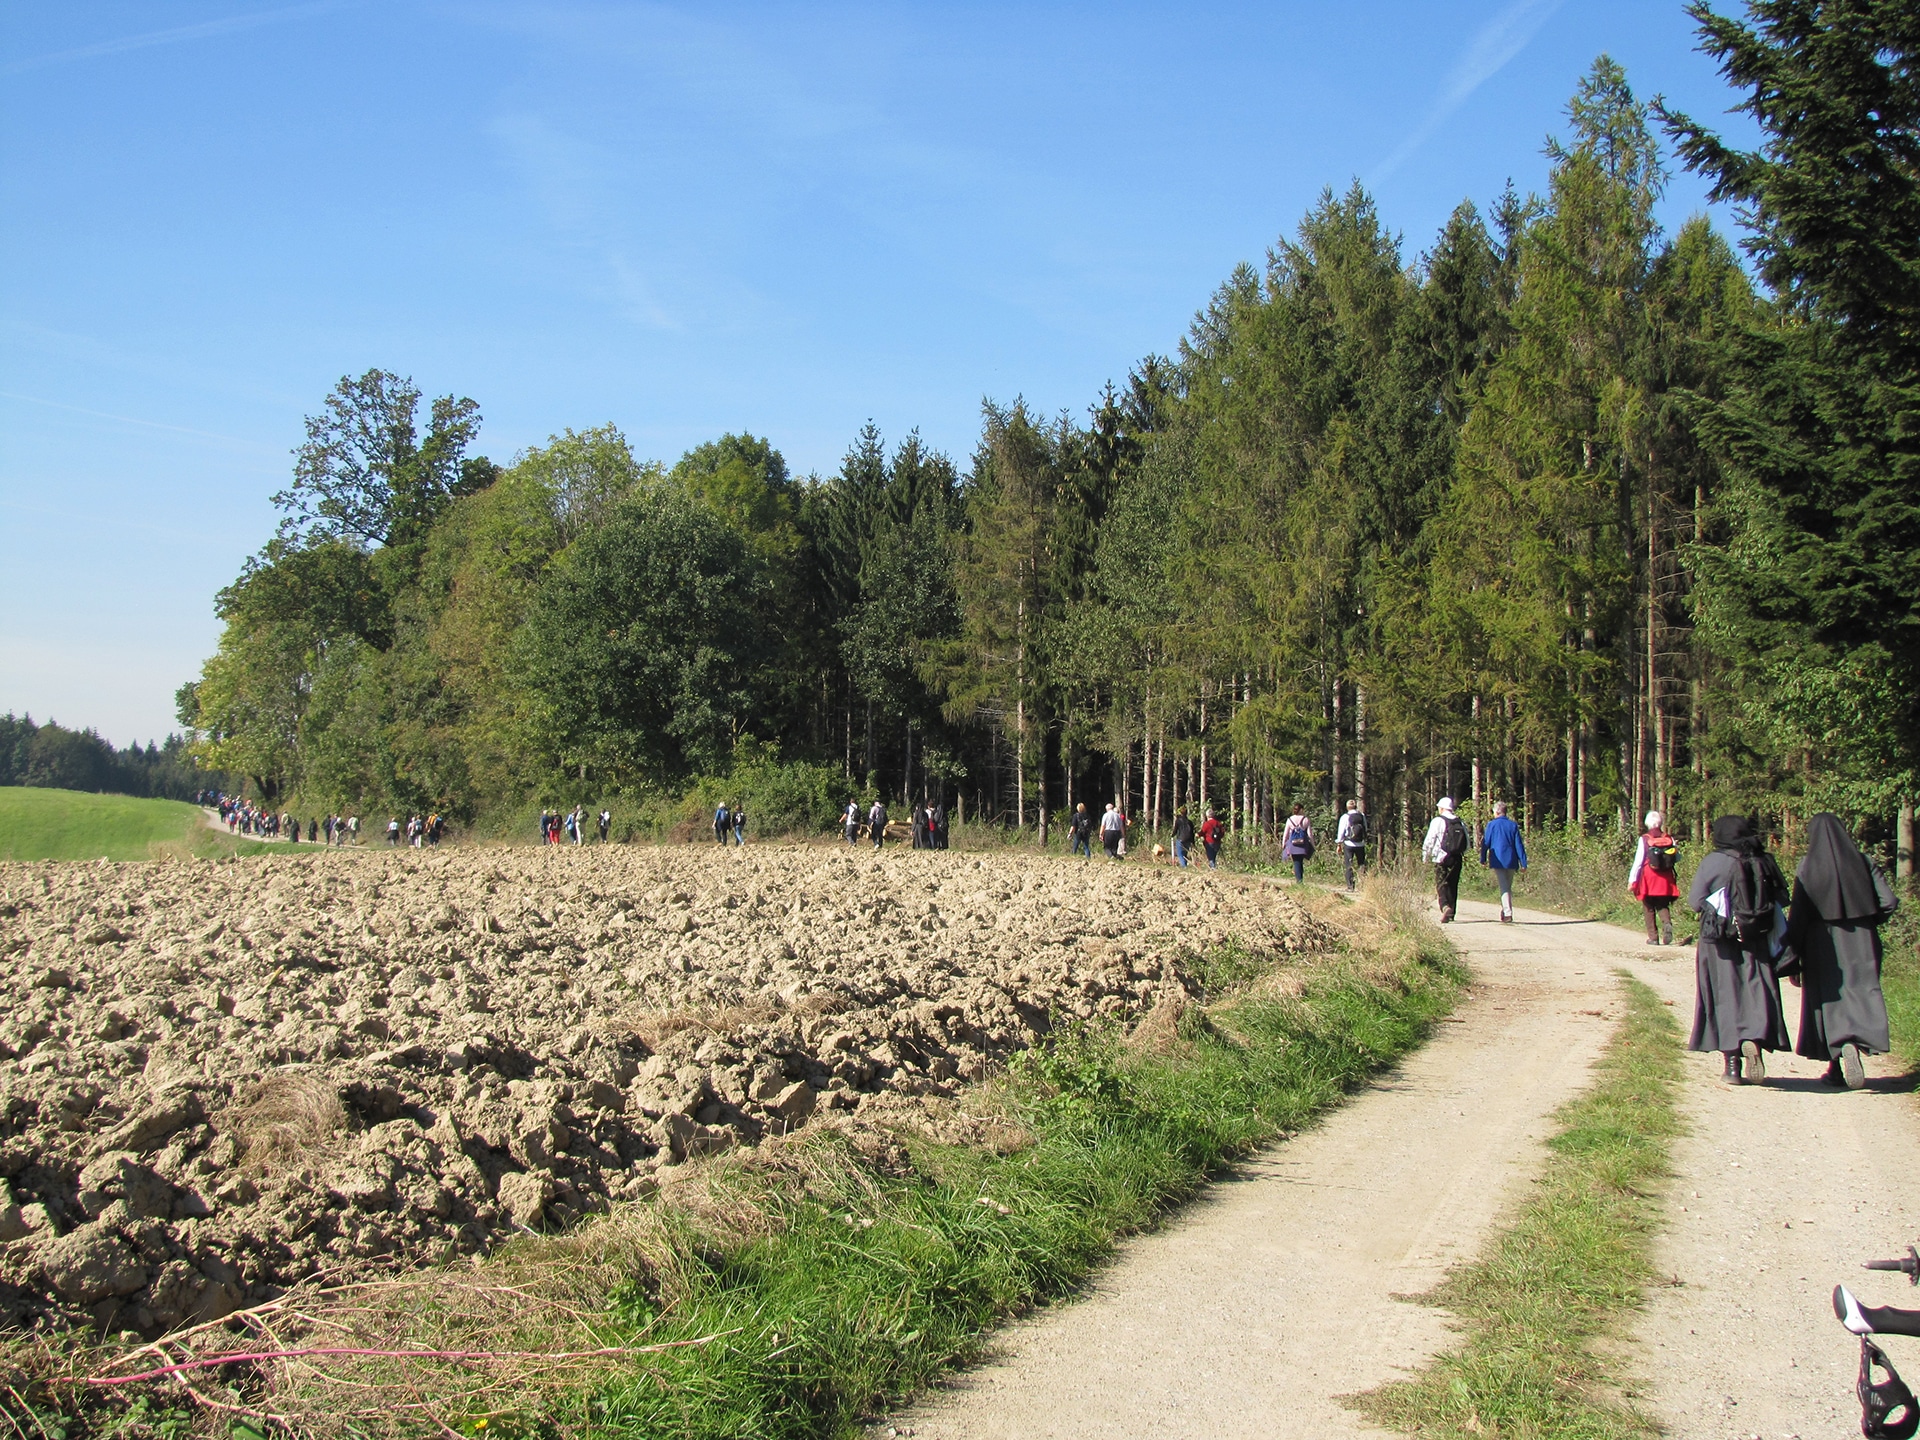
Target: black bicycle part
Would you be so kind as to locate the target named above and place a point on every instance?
(1887, 1319)
(1909, 1266)
(1887, 1409)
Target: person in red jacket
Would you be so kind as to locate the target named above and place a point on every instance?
(1655, 878)
(1210, 832)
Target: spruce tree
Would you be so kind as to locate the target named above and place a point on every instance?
(1818, 588)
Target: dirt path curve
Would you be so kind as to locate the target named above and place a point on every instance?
(1780, 1192)
(1272, 1295)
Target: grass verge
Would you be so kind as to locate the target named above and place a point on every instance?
(1900, 981)
(816, 1281)
(1572, 1265)
(37, 824)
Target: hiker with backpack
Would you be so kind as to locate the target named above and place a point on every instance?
(723, 822)
(877, 824)
(1211, 833)
(1655, 878)
(1840, 901)
(1296, 842)
(1740, 896)
(1351, 836)
(1080, 827)
(1503, 850)
(1446, 849)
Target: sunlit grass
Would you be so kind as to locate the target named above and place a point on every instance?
(1572, 1265)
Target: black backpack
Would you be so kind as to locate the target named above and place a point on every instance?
(1453, 839)
(1751, 897)
(1663, 858)
(1356, 827)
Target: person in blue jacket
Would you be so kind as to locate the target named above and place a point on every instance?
(1503, 850)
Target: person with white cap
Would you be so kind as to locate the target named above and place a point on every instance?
(1446, 848)
(1655, 878)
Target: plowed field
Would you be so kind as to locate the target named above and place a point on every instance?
(219, 1078)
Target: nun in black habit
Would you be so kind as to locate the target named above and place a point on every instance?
(1736, 892)
(1840, 900)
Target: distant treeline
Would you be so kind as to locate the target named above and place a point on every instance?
(1564, 509)
(53, 757)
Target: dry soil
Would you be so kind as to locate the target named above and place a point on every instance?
(220, 1078)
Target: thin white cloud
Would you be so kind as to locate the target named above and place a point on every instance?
(133, 420)
(178, 33)
(1497, 42)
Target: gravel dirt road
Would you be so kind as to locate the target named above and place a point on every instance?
(1254, 1310)
(1780, 1192)
(1257, 1308)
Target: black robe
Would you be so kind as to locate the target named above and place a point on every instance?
(1840, 998)
(1736, 993)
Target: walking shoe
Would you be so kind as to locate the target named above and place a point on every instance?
(1755, 1070)
(1851, 1070)
(1506, 918)
(1446, 914)
(1833, 1077)
(1732, 1077)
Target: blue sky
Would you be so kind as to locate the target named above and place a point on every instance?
(684, 219)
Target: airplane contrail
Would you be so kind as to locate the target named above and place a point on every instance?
(1497, 42)
(169, 37)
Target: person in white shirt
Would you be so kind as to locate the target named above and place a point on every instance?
(1446, 847)
(1351, 837)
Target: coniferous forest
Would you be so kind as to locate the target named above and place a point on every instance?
(1556, 507)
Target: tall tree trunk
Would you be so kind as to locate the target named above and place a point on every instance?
(1903, 847)
(1585, 747)
(1203, 748)
(1359, 746)
(1251, 818)
(1159, 768)
(1020, 721)
(1146, 768)
(1573, 767)
(1045, 816)
(1478, 821)
(1333, 768)
(1406, 803)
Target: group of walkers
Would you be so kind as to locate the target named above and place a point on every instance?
(243, 818)
(1822, 935)
(926, 824)
(1503, 850)
(569, 827)
(730, 823)
(1112, 828)
(420, 831)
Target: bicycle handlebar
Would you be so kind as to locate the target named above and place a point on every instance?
(1908, 1266)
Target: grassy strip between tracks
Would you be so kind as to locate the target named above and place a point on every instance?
(840, 1279)
(1573, 1264)
(1900, 981)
